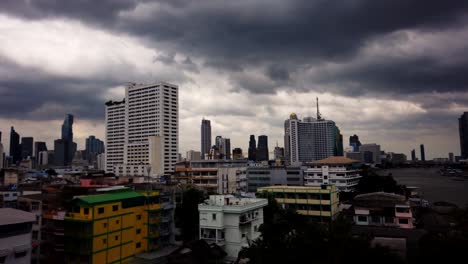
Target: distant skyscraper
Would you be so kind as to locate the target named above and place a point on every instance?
(15, 148)
(223, 147)
(354, 142)
(338, 142)
(371, 153)
(205, 137)
(463, 131)
(262, 150)
(193, 155)
(67, 128)
(227, 148)
(278, 152)
(2, 161)
(60, 152)
(65, 148)
(27, 147)
(237, 154)
(142, 131)
(38, 147)
(309, 140)
(252, 148)
(423, 154)
(413, 155)
(93, 147)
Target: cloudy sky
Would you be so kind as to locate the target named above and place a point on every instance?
(393, 72)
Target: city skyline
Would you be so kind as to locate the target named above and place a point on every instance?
(372, 80)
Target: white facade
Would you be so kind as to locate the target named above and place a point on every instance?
(344, 176)
(193, 155)
(142, 131)
(101, 161)
(15, 244)
(230, 222)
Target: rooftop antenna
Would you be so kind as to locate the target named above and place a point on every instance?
(319, 116)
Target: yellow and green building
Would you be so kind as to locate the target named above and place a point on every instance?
(319, 202)
(112, 227)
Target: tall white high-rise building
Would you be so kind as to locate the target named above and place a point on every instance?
(142, 131)
(309, 139)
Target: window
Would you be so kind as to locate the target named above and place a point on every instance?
(213, 216)
(86, 211)
(243, 235)
(21, 254)
(375, 219)
(117, 221)
(138, 245)
(115, 208)
(116, 238)
(403, 221)
(100, 210)
(104, 225)
(104, 240)
(362, 218)
(138, 217)
(255, 228)
(138, 231)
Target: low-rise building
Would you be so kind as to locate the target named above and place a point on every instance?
(319, 202)
(340, 171)
(33, 203)
(230, 222)
(15, 236)
(382, 209)
(261, 176)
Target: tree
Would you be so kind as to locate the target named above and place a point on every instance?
(187, 216)
(372, 182)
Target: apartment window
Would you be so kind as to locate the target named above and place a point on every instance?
(403, 221)
(104, 240)
(213, 217)
(117, 221)
(138, 231)
(104, 225)
(21, 254)
(138, 245)
(243, 235)
(362, 218)
(86, 211)
(115, 208)
(138, 217)
(100, 210)
(255, 228)
(116, 238)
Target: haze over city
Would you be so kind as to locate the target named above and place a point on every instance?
(396, 80)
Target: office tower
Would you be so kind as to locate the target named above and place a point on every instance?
(370, 153)
(60, 152)
(223, 148)
(26, 147)
(451, 157)
(65, 148)
(38, 147)
(237, 154)
(219, 146)
(15, 147)
(278, 153)
(67, 128)
(252, 148)
(262, 150)
(354, 142)
(338, 143)
(413, 155)
(142, 131)
(423, 154)
(227, 148)
(93, 147)
(463, 131)
(193, 155)
(205, 137)
(310, 139)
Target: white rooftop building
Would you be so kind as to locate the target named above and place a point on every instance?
(15, 239)
(231, 222)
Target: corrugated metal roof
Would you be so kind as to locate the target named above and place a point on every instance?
(108, 197)
(11, 216)
(335, 160)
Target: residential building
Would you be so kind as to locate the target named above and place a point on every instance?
(219, 176)
(413, 155)
(395, 158)
(101, 161)
(354, 142)
(112, 227)
(230, 222)
(318, 202)
(26, 147)
(33, 203)
(309, 139)
(9, 198)
(463, 132)
(423, 153)
(15, 147)
(205, 138)
(15, 239)
(340, 171)
(252, 155)
(382, 209)
(262, 149)
(142, 131)
(261, 176)
(193, 155)
(237, 154)
(370, 153)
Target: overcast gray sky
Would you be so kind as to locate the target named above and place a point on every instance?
(393, 72)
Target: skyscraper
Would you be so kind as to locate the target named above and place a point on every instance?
(38, 147)
(463, 131)
(67, 128)
(93, 147)
(227, 148)
(338, 142)
(262, 150)
(15, 148)
(309, 140)
(26, 147)
(65, 148)
(205, 137)
(142, 131)
(278, 152)
(413, 155)
(1, 152)
(237, 154)
(423, 154)
(354, 142)
(252, 155)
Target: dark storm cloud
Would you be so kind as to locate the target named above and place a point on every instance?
(279, 37)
